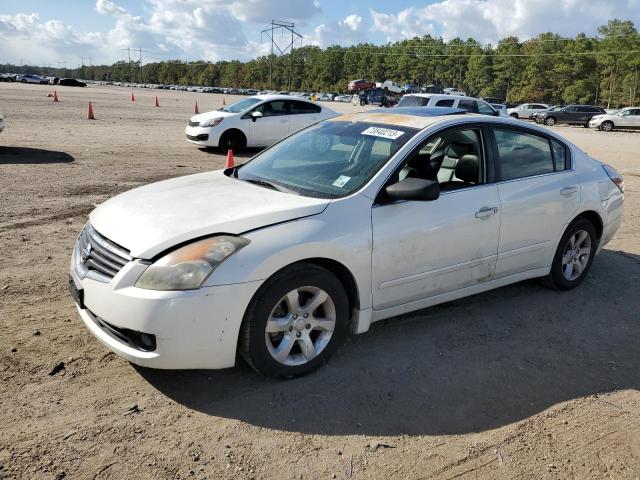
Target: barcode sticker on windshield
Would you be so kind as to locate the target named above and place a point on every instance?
(382, 132)
(341, 181)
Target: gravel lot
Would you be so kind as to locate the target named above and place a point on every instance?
(521, 382)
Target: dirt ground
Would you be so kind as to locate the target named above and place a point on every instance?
(521, 382)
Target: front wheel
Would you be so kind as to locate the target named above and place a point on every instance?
(550, 121)
(514, 115)
(232, 140)
(295, 321)
(606, 126)
(574, 255)
(362, 103)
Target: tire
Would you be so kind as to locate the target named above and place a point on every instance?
(550, 121)
(362, 103)
(514, 115)
(231, 140)
(23, 81)
(571, 264)
(606, 126)
(277, 305)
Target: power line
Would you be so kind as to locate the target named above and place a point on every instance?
(454, 55)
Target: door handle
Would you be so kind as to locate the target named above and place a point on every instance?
(567, 191)
(486, 212)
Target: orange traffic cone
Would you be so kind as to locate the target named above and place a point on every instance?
(55, 96)
(133, 99)
(157, 103)
(195, 110)
(229, 163)
(224, 102)
(90, 113)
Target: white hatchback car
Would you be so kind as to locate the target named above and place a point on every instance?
(257, 121)
(626, 118)
(355, 219)
(469, 104)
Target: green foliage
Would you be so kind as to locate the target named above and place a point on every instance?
(548, 68)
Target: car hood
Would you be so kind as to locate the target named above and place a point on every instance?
(152, 218)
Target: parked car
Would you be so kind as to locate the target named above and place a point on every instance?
(571, 114)
(353, 220)
(378, 96)
(501, 108)
(30, 78)
(470, 104)
(257, 121)
(355, 86)
(1, 122)
(527, 109)
(626, 118)
(325, 97)
(411, 88)
(393, 87)
(454, 91)
(536, 117)
(7, 77)
(71, 82)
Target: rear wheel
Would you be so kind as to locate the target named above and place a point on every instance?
(550, 121)
(513, 115)
(574, 255)
(606, 126)
(295, 321)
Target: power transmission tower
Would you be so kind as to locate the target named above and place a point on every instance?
(128, 50)
(282, 27)
(140, 51)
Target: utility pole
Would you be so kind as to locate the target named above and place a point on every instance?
(140, 62)
(128, 50)
(282, 27)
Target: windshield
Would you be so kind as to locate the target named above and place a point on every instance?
(411, 101)
(328, 160)
(241, 106)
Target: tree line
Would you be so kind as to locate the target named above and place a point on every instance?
(548, 68)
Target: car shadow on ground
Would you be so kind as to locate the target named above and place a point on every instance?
(466, 366)
(25, 155)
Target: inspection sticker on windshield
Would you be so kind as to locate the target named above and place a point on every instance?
(382, 132)
(341, 181)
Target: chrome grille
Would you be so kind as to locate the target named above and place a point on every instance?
(194, 124)
(99, 254)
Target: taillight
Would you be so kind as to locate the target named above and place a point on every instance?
(615, 177)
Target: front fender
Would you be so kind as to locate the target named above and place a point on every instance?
(342, 232)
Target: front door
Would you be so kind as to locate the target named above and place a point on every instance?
(272, 127)
(426, 248)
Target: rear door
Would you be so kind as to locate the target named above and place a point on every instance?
(302, 114)
(539, 195)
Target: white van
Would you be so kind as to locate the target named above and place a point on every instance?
(470, 104)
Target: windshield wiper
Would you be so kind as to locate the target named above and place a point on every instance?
(264, 183)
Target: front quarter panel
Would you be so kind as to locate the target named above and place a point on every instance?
(341, 233)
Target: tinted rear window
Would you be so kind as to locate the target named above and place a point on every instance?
(409, 101)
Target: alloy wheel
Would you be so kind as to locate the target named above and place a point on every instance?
(300, 325)
(576, 255)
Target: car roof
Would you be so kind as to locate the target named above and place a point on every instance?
(275, 96)
(403, 116)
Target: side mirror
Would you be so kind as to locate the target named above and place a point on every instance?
(414, 189)
(255, 115)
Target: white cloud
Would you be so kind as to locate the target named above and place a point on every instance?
(489, 20)
(106, 7)
(348, 31)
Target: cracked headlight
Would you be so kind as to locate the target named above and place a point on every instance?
(186, 268)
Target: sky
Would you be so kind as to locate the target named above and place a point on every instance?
(54, 33)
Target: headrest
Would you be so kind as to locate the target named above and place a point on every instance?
(468, 168)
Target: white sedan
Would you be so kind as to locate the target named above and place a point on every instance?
(626, 118)
(356, 219)
(257, 121)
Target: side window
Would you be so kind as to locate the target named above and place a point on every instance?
(299, 107)
(634, 113)
(560, 160)
(485, 109)
(522, 154)
(273, 108)
(571, 109)
(468, 105)
(445, 103)
(454, 159)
